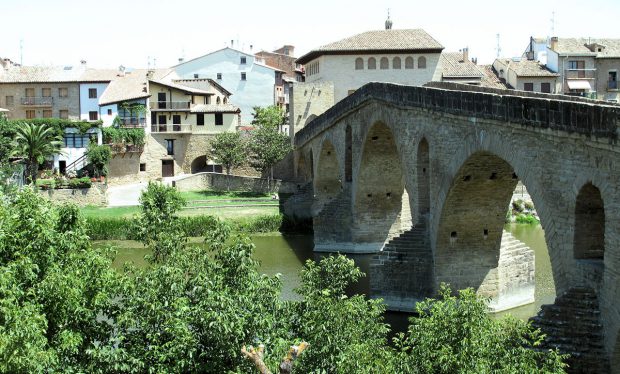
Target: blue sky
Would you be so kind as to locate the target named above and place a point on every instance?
(111, 33)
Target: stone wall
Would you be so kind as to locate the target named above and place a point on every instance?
(224, 182)
(308, 100)
(96, 195)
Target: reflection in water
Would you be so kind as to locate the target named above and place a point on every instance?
(287, 254)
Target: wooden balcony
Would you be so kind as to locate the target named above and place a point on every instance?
(132, 123)
(171, 129)
(171, 105)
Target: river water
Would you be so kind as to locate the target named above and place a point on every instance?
(287, 254)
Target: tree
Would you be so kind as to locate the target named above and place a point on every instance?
(228, 149)
(7, 135)
(36, 143)
(99, 157)
(267, 144)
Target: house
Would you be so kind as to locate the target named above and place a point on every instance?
(586, 66)
(337, 69)
(525, 75)
(248, 78)
(490, 78)
(456, 67)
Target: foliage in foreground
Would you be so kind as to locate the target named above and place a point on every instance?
(63, 308)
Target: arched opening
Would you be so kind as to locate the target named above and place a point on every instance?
(380, 186)
(359, 63)
(348, 158)
(424, 194)
(225, 100)
(384, 63)
(328, 182)
(396, 63)
(218, 101)
(589, 239)
(472, 247)
(409, 62)
(303, 169)
(372, 63)
(199, 165)
(311, 165)
(422, 62)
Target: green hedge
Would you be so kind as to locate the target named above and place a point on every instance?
(60, 124)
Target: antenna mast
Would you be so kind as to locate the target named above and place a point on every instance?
(498, 48)
(553, 23)
(21, 52)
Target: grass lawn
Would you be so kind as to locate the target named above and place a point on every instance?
(222, 195)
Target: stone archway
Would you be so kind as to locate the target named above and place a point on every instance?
(589, 237)
(199, 165)
(328, 182)
(303, 169)
(379, 188)
(471, 248)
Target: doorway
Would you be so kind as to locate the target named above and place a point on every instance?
(167, 168)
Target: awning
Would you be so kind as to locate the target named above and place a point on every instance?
(579, 85)
(3, 110)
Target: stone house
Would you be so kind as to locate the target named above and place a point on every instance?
(586, 66)
(526, 75)
(458, 68)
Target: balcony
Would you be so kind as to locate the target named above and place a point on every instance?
(171, 129)
(37, 101)
(612, 85)
(170, 105)
(132, 122)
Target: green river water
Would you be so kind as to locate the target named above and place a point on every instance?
(287, 254)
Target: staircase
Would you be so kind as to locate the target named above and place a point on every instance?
(402, 273)
(76, 165)
(573, 325)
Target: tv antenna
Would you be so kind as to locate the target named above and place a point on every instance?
(21, 52)
(553, 23)
(498, 49)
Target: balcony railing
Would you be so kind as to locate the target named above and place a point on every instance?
(171, 128)
(132, 122)
(170, 105)
(40, 101)
(612, 85)
(580, 73)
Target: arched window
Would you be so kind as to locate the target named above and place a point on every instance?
(396, 63)
(218, 100)
(225, 101)
(422, 62)
(359, 63)
(372, 63)
(409, 63)
(385, 63)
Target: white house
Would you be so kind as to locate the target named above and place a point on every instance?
(250, 81)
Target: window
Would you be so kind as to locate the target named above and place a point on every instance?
(93, 116)
(219, 119)
(46, 92)
(176, 119)
(142, 166)
(76, 140)
(29, 92)
(409, 63)
(92, 93)
(372, 63)
(359, 63)
(30, 114)
(162, 119)
(612, 80)
(243, 60)
(528, 86)
(396, 63)
(47, 113)
(545, 87)
(422, 62)
(384, 63)
(63, 92)
(9, 101)
(200, 119)
(578, 66)
(109, 112)
(243, 76)
(218, 101)
(63, 114)
(170, 147)
(219, 75)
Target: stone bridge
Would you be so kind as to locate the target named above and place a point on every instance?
(423, 176)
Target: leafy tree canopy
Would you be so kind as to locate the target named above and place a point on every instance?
(228, 149)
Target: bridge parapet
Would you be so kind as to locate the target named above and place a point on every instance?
(582, 117)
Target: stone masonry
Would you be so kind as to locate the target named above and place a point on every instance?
(476, 147)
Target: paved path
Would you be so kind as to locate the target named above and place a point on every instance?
(126, 194)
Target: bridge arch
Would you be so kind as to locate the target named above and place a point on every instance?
(378, 198)
(328, 181)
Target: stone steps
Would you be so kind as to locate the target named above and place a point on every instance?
(573, 325)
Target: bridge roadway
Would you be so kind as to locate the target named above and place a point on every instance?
(423, 176)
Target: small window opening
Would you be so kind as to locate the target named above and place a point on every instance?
(493, 176)
(467, 178)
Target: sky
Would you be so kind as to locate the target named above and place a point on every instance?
(136, 33)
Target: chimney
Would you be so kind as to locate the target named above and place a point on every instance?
(554, 43)
(121, 71)
(83, 62)
(181, 59)
(232, 43)
(465, 54)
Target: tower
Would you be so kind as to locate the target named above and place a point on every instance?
(388, 21)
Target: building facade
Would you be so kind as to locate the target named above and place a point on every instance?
(526, 75)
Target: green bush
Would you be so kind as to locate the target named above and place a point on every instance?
(526, 219)
(112, 135)
(59, 125)
(109, 228)
(260, 224)
(46, 184)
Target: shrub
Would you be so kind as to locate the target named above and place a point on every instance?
(526, 219)
(108, 228)
(46, 184)
(260, 224)
(528, 206)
